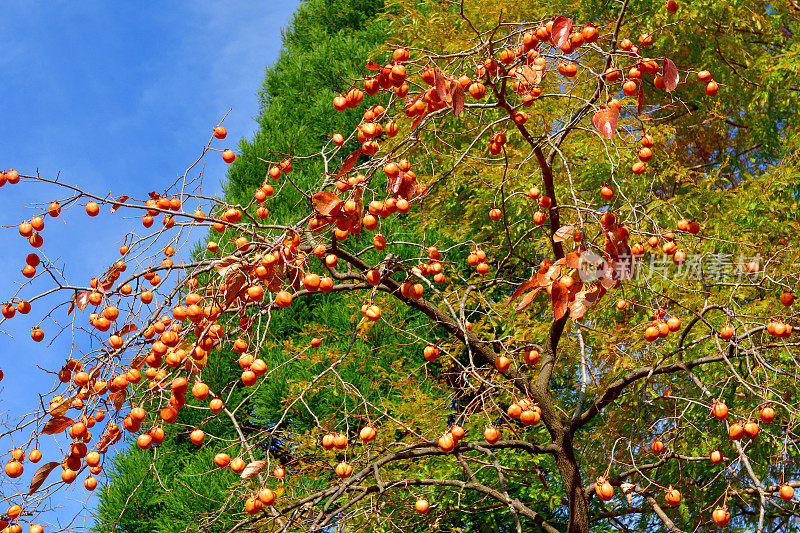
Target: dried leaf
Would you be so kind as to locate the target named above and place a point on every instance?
(118, 398)
(458, 99)
(326, 203)
(228, 263)
(526, 301)
(117, 205)
(627, 490)
(41, 474)
(605, 121)
(252, 469)
(127, 328)
(138, 360)
(81, 300)
(670, 74)
(640, 98)
(234, 285)
(572, 260)
(364, 327)
(524, 286)
(560, 298)
(56, 424)
(349, 162)
(62, 408)
(563, 233)
(441, 84)
(418, 120)
(530, 76)
(358, 197)
(394, 186)
(154, 195)
(559, 34)
(373, 66)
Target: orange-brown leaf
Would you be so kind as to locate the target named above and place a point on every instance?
(349, 162)
(563, 233)
(326, 203)
(127, 328)
(117, 205)
(41, 474)
(252, 469)
(57, 424)
(528, 298)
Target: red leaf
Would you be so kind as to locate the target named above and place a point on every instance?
(605, 121)
(127, 328)
(441, 85)
(373, 66)
(458, 99)
(670, 74)
(349, 162)
(562, 27)
(57, 424)
(79, 300)
(560, 298)
(417, 121)
(326, 203)
(394, 187)
(120, 200)
(41, 474)
(154, 195)
(572, 260)
(640, 98)
(524, 286)
(118, 398)
(139, 360)
(563, 233)
(526, 301)
(252, 469)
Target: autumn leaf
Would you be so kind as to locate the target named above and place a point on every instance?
(559, 34)
(79, 300)
(127, 328)
(605, 121)
(235, 283)
(139, 360)
(441, 85)
(56, 424)
(41, 474)
(227, 264)
(560, 299)
(640, 98)
(373, 66)
(349, 162)
(119, 201)
(530, 76)
(418, 120)
(61, 408)
(670, 74)
(524, 286)
(326, 203)
(572, 260)
(118, 399)
(563, 233)
(363, 328)
(458, 99)
(252, 469)
(526, 301)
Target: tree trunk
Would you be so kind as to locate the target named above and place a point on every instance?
(573, 487)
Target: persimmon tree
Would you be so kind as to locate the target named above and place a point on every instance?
(496, 301)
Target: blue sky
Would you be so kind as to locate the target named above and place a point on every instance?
(117, 98)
